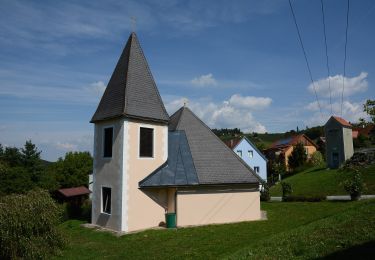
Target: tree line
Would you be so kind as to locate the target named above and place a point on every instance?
(22, 169)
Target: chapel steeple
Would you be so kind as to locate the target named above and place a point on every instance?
(131, 91)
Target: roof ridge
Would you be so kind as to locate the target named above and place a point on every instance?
(226, 147)
(310, 140)
(255, 147)
(149, 71)
(126, 76)
(177, 119)
(192, 159)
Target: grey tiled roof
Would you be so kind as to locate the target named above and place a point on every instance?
(179, 169)
(131, 91)
(215, 163)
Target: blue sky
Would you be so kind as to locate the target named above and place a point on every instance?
(238, 63)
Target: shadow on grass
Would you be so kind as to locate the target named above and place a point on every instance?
(305, 170)
(317, 169)
(363, 251)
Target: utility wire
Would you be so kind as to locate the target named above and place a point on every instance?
(346, 43)
(327, 63)
(304, 53)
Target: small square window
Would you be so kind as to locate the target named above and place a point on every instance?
(256, 169)
(108, 142)
(106, 200)
(250, 153)
(239, 153)
(146, 142)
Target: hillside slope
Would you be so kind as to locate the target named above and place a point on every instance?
(323, 182)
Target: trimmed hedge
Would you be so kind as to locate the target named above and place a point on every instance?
(265, 193)
(304, 198)
(28, 226)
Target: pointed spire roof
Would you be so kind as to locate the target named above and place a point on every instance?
(131, 91)
(215, 163)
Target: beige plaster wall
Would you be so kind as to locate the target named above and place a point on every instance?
(107, 173)
(145, 209)
(171, 200)
(310, 150)
(202, 207)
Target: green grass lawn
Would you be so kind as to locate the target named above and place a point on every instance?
(289, 222)
(323, 182)
(347, 235)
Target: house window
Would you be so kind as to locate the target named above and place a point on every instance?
(108, 142)
(106, 200)
(146, 142)
(256, 169)
(239, 153)
(250, 153)
(306, 151)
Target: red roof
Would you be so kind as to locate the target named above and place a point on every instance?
(342, 121)
(365, 130)
(76, 191)
(290, 141)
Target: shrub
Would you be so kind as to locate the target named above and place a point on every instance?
(298, 156)
(304, 198)
(360, 159)
(317, 159)
(286, 189)
(265, 193)
(86, 210)
(28, 226)
(354, 184)
(81, 211)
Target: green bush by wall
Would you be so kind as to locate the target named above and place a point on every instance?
(28, 226)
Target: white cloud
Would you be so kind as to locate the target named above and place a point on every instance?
(66, 146)
(249, 102)
(53, 138)
(65, 94)
(351, 111)
(352, 85)
(204, 80)
(222, 114)
(98, 87)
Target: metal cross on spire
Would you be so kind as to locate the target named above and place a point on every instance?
(186, 102)
(133, 21)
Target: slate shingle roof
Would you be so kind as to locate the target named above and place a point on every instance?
(131, 91)
(179, 169)
(215, 163)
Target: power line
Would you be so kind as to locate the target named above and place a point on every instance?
(304, 53)
(346, 43)
(327, 63)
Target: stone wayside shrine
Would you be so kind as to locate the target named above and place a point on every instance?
(147, 164)
(339, 141)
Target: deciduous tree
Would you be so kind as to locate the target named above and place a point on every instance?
(73, 170)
